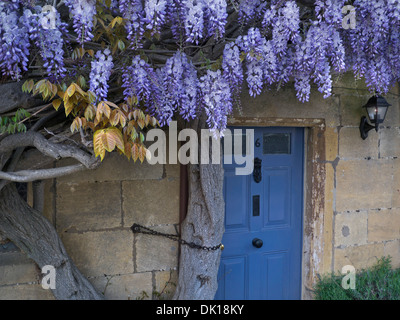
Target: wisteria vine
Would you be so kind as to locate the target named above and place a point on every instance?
(278, 43)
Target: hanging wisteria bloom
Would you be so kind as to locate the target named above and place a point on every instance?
(155, 14)
(249, 10)
(100, 74)
(232, 66)
(217, 100)
(49, 41)
(181, 83)
(132, 12)
(194, 11)
(83, 12)
(302, 87)
(286, 27)
(217, 16)
(14, 42)
(138, 81)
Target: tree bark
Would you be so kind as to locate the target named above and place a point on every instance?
(203, 225)
(34, 234)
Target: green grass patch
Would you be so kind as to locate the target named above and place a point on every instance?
(379, 282)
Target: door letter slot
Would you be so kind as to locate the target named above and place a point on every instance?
(257, 170)
(256, 206)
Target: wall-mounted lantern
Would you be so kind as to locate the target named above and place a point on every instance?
(376, 108)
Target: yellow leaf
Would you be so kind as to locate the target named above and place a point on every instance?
(56, 103)
(90, 112)
(112, 138)
(122, 119)
(71, 90)
(114, 117)
(140, 122)
(60, 94)
(111, 104)
(142, 153)
(30, 85)
(69, 106)
(76, 124)
(78, 88)
(147, 119)
(128, 150)
(98, 146)
(103, 108)
(135, 152)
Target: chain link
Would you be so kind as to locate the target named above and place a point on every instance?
(137, 228)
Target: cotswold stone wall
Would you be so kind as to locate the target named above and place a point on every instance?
(93, 212)
(357, 220)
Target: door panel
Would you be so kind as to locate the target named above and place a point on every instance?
(237, 189)
(232, 274)
(270, 211)
(277, 196)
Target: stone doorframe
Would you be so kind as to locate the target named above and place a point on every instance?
(314, 192)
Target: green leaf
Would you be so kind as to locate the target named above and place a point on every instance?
(121, 45)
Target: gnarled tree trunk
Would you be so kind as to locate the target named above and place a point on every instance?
(34, 234)
(204, 225)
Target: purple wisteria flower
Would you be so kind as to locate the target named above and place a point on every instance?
(194, 11)
(216, 99)
(100, 74)
(180, 80)
(49, 41)
(132, 11)
(155, 14)
(14, 42)
(83, 12)
(232, 66)
(217, 16)
(138, 80)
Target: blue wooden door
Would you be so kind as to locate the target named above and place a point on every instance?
(263, 221)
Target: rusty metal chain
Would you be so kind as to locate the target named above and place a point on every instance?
(137, 228)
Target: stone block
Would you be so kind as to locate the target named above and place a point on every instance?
(392, 249)
(99, 253)
(351, 146)
(166, 282)
(156, 252)
(151, 202)
(15, 268)
(88, 205)
(383, 225)
(331, 143)
(125, 287)
(396, 184)
(25, 292)
(358, 256)
(363, 184)
(351, 229)
(393, 114)
(115, 167)
(389, 139)
(351, 108)
(284, 104)
(172, 171)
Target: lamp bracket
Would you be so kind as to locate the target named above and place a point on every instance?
(365, 127)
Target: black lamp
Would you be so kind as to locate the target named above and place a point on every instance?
(376, 108)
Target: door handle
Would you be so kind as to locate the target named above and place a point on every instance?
(258, 243)
(257, 170)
